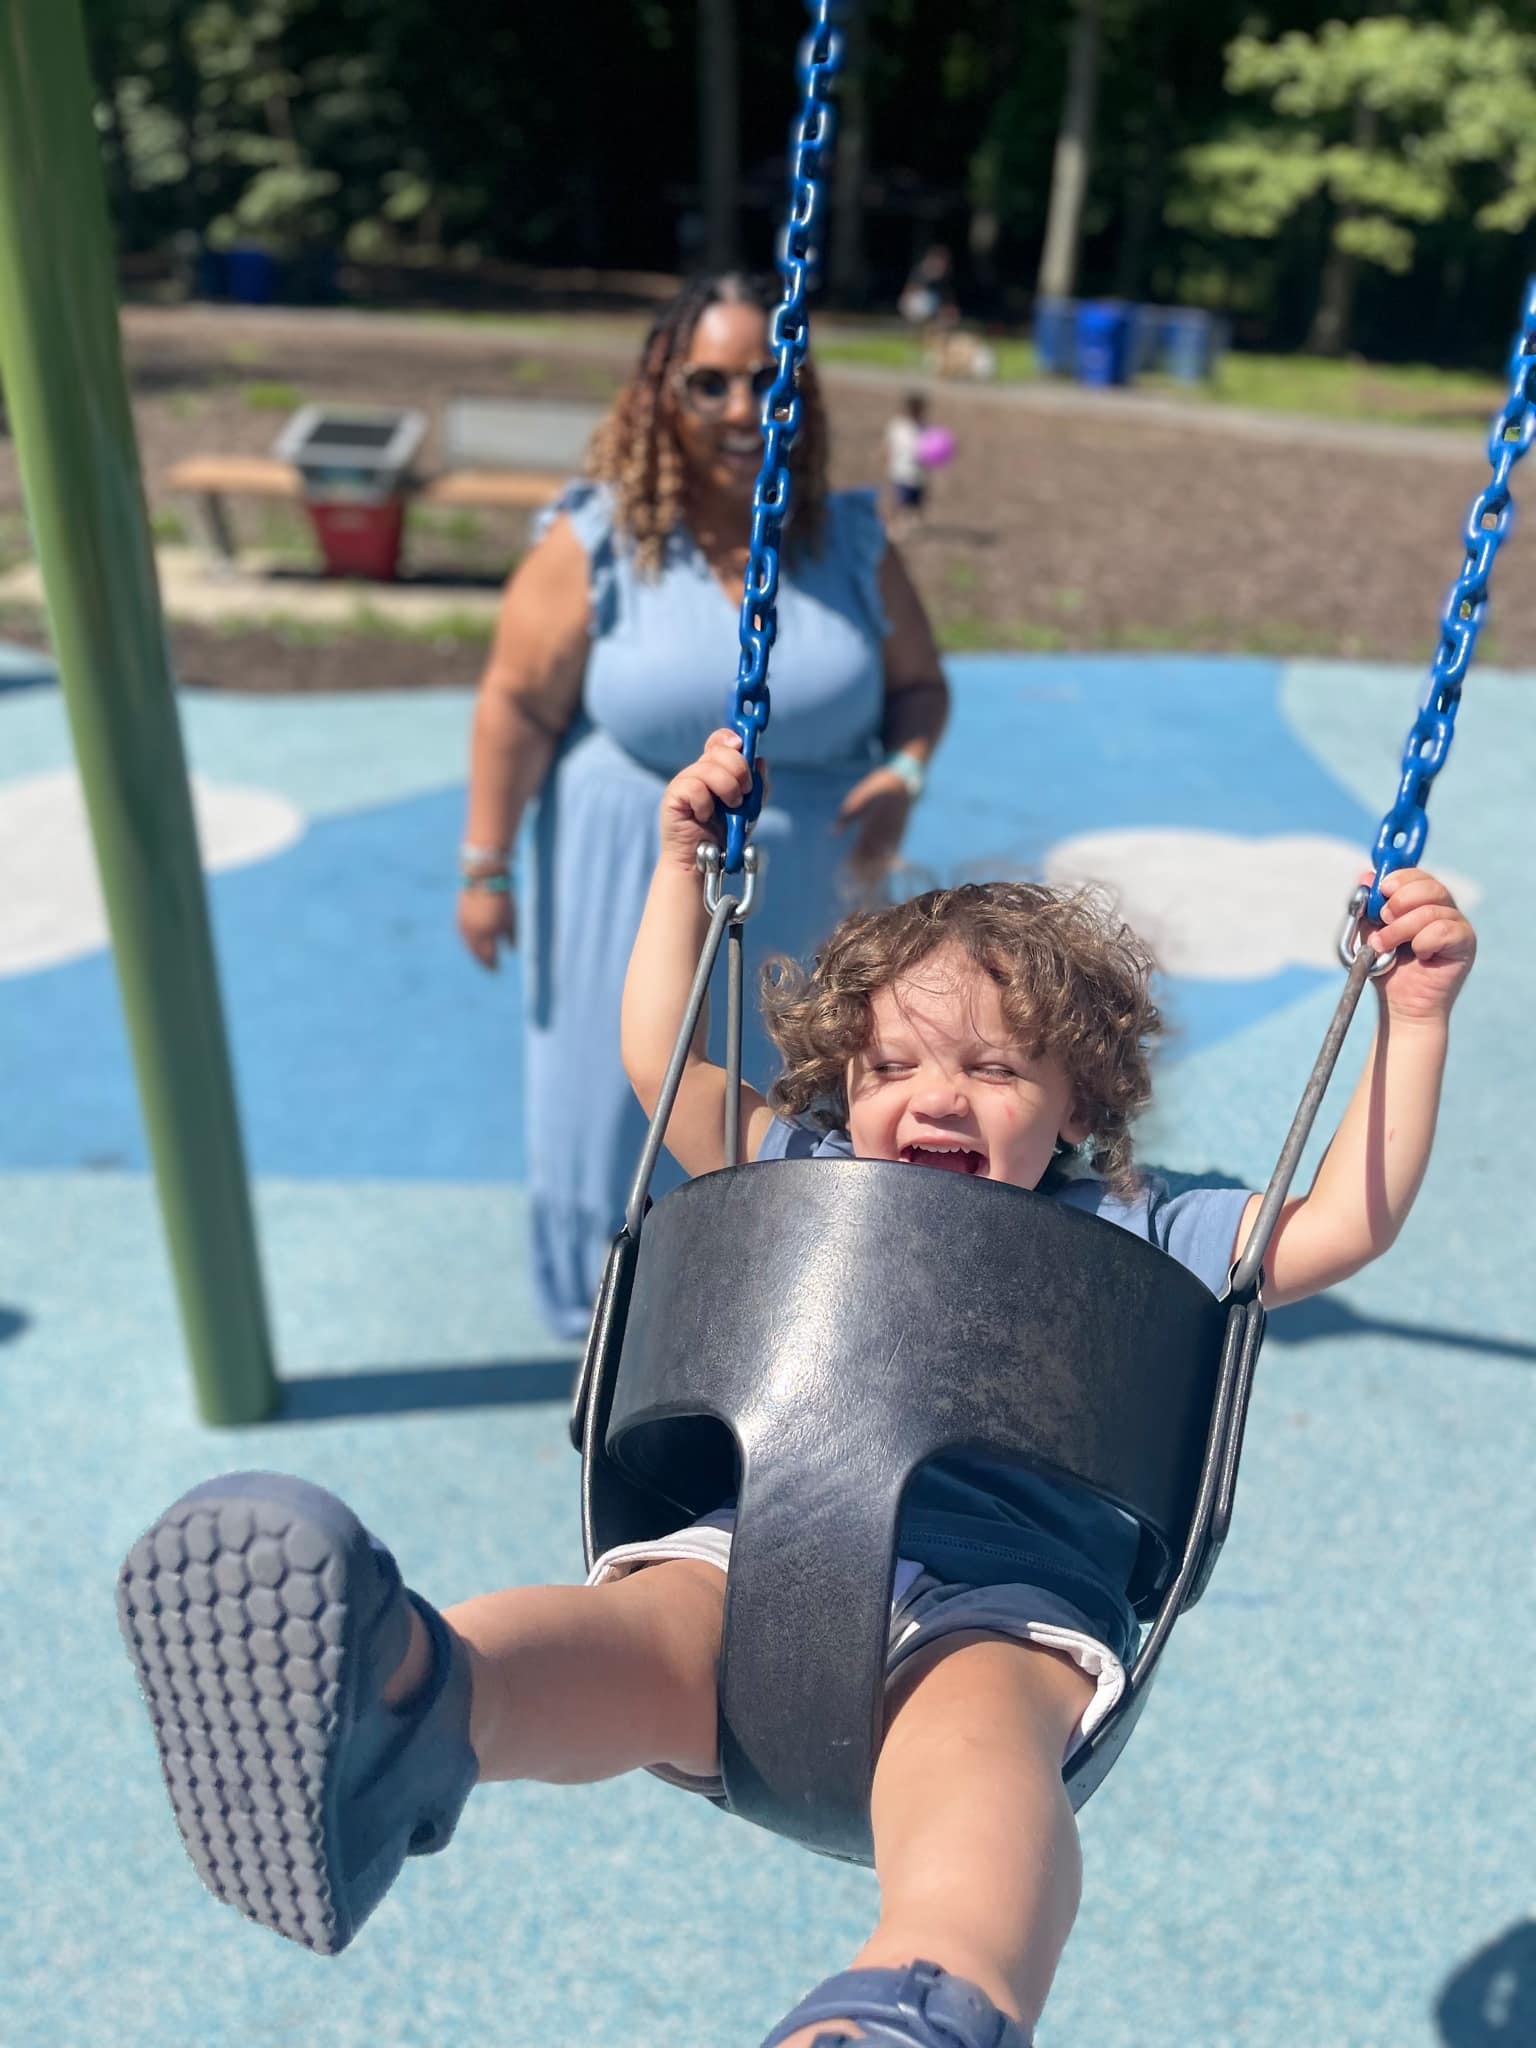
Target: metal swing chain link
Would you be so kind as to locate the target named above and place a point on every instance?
(820, 59)
(1403, 830)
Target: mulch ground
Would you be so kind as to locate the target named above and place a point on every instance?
(1048, 531)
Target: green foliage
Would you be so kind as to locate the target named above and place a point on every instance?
(1229, 150)
(1399, 123)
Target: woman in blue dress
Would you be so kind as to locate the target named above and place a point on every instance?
(614, 656)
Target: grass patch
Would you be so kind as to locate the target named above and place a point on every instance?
(459, 525)
(271, 397)
(168, 528)
(1415, 393)
(971, 633)
(363, 623)
(1319, 387)
(448, 629)
(284, 530)
(966, 632)
(872, 351)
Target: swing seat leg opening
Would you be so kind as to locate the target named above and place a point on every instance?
(919, 2007)
(263, 1622)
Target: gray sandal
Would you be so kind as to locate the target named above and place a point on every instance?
(263, 1622)
(919, 2007)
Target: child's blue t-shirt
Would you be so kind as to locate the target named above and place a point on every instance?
(974, 1521)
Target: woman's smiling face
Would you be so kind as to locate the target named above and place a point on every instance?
(944, 1083)
(715, 410)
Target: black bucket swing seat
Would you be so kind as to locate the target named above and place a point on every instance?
(885, 1317)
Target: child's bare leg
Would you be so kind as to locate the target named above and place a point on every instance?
(574, 1683)
(975, 1844)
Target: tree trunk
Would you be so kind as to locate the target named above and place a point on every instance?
(1331, 323)
(719, 140)
(1074, 155)
(848, 273)
(1330, 329)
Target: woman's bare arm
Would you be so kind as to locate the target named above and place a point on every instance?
(529, 692)
(531, 684)
(916, 694)
(916, 709)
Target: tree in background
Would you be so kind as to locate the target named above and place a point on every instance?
(1074, 153)
(1389, 126)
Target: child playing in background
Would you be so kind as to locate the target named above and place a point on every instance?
(317, 1722)
(904, 468)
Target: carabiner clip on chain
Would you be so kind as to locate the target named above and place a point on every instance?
(1352, 933)
(711, 866)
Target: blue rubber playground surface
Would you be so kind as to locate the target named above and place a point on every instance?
(1322, 1835)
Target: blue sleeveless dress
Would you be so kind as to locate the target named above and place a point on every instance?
(659, 676)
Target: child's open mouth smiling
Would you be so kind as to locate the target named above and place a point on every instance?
(947, 1156)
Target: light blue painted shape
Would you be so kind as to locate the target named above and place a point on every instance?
(1047, 746)
(326, 754)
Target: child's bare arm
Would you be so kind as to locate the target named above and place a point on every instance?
(662, 964)
(1374, 1166)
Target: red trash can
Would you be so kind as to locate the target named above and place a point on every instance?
(359, 539)
(356, 464)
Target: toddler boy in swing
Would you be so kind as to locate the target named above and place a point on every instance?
(317, 1722)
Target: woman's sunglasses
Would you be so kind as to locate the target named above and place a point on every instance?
(706, 391)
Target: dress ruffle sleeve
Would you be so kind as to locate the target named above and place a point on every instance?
(589, 507)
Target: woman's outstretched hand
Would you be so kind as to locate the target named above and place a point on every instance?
(875, 810)
(487, 921)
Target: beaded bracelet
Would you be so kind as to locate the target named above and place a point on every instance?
(913, 772)
(487, 882)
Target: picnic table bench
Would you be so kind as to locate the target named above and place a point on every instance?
(499, 454)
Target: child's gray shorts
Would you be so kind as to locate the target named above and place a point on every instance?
(923, 1609)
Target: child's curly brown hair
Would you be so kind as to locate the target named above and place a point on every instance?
(1074, 982)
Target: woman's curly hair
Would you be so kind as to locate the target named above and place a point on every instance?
(635, 452)
(1074, 982)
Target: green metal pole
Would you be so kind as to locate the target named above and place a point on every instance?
(67, 395)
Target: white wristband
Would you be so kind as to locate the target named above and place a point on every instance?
(913, 772)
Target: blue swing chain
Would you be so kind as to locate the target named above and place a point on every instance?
(820, 58)
(1403, 830)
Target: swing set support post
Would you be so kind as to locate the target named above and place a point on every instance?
(62, 371)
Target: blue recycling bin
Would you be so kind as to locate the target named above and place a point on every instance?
(212, 273)
(1187, 343)
(251, 276)
(1103, 343)
(1052, 335)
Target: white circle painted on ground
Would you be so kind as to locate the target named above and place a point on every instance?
(1215, 906)
(51, 908)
